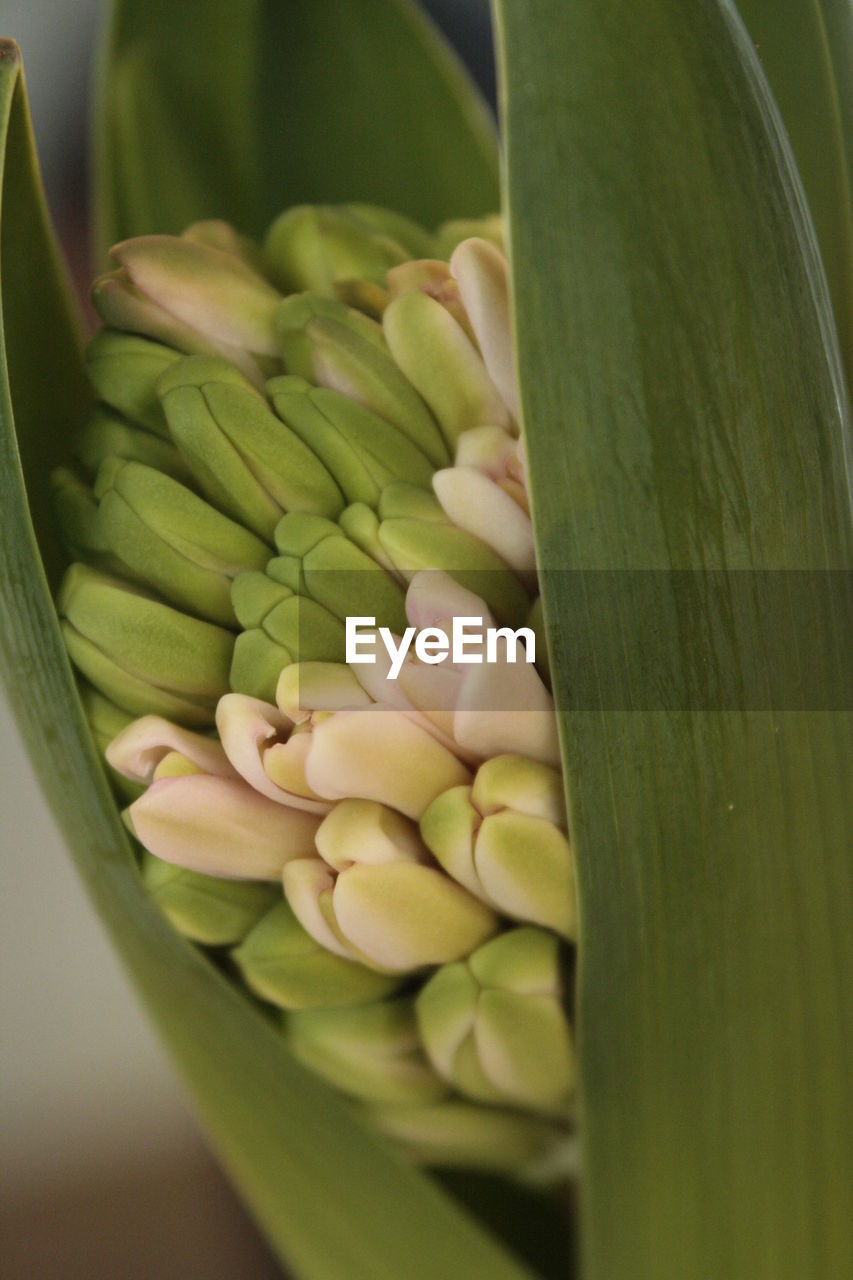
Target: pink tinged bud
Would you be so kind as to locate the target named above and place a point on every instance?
(213, 292)
(441, 362)
(477, 504)
(305, 688)
(380, 754)
(505, 707)
(434, 599)
(222, 827)
(480, 270)
(257, 739)
(385, 907)
(140, 749)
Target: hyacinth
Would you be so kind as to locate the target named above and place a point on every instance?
(289, 435)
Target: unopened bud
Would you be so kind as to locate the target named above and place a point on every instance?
(495, 1027)
(335, 346)
(362, 451)
(167, 537)
(143, 655)
(504, 839)
(371, 1052)
(480, 270)
(283, 964)
(247, 462)
(314, 246)
(213, 912)
(441, 362)
(124, 369)
(108, 435)
(190, 296)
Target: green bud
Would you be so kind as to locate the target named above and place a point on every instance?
(77, 514)
(318, 560)
(385, 907)
(143, 655)
(457, 1134)
(370, 1051)
(410, 502)
(452, 233)
(360, 524)
(417, 242)
(442, 363)
(173, 541)
(281, 627)
(313, 246)
(337, 347)
(107, 435)
(191, 296)
(504, 839)
(124, 370)
(207, 909)
(416, 544)
(282, 963)
(217, 234)
(106, 722)
(246, 461)
(495, 1027)
(362, 451)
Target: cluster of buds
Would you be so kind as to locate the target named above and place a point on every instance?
(288, 437)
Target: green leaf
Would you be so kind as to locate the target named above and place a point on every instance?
(211, 109)
(806, 50)
(333, 1200)
(686, 421)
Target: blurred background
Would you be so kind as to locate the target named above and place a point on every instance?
(104, 1173)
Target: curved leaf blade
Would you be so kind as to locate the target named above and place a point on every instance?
(335, 1202)
(686, 423)
(806, 50)
(331, 101)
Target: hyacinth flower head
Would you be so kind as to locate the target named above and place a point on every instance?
(438, 666)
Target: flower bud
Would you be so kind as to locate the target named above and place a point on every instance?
(385, 907)
(504, 839)
(441, 362)
(211, 911)
(105, 721)
(432, 277)
(77, 515)
(410, 235)
(190, 296)
(108, 435)
(480, 270)
(370, 1051)
(477, 504)
(320, 562)
(363, 452)
(246, 461)
(167, 537)
(414, 545)
(217, 234)
(337, 347)
(124, 370)
(465, 1135)
(258, 741)
(221, 827)
(380, 754)
(283, 964)
(494, 1026)
(314, 246)
(139, 748)
(281, 627)
(308, 687)
(143, 655)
